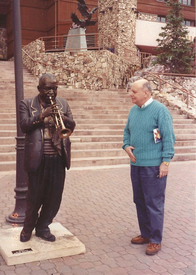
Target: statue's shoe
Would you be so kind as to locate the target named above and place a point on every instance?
(47, 236)
(25, 237)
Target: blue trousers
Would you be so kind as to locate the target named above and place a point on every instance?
(149, 197)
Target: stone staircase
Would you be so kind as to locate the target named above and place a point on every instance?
(100, 117)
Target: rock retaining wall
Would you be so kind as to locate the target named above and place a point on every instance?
(3, 44)
(86, 70)
(169, 95)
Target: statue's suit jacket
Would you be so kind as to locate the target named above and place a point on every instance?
(32, 126)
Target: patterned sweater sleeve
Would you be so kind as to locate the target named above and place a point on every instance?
(165, 125)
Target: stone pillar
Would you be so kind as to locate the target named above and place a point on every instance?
(3, 44)
(117, 22)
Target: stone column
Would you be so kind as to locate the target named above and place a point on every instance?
(3, 44)
(117, 22)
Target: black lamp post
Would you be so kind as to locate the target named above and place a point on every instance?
(18, 215)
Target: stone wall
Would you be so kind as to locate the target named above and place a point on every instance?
(3, 44)
(85, 69)
(147, 16)
(169, 95)
(117, 21)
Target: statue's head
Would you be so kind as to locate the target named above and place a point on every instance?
(47, 87)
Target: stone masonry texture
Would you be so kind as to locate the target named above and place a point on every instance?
(117, 20)
(98, 208)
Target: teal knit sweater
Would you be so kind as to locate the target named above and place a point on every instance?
(138, 133)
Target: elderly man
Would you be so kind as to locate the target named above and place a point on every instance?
(47, 154)
(149, 142)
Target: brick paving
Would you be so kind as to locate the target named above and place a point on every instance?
(97, 207)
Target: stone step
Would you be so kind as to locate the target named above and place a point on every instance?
(118, 160)
(11, 156)
(80, 159)
(185, 143)
(8, 156)
(83, 126)
(94, 148)
(7, 140)
(184, 157)
(8, 121)
(184, 131)
(120, 131)
(76, 144)
(32, 91)
(7, 166)
(87, 116)
(123, 121)
(7, 106)
(183, 137)
(7, 148)
(119, 152)
(6, 133)
(97, 161)
(8, 127)
(184, 126)
(107, 134)
(185, 149)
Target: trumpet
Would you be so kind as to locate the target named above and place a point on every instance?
(59, 124)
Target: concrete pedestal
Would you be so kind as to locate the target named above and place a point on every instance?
(76, 40)
(15, 252)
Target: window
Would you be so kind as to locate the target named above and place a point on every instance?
(186, 2)
(188, 23)
(161, 18)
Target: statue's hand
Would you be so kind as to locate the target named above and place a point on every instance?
(47, 112)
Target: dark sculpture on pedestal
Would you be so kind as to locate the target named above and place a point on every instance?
(47, 122)
(86, 21)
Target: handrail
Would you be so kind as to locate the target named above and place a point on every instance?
(101, 45)
(29, 55)
(182, 89)
(180, 75)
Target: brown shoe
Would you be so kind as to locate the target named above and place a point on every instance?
(140, 240)
(153, 248)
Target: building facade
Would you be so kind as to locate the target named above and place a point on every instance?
(126, 24)
(39, 18)
(151, 16)
(136, 24)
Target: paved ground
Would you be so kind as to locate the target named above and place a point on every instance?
(97, 207)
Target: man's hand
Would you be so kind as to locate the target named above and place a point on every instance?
(130, 153)
(163, 170)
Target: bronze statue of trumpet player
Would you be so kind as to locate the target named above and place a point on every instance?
(47, 122)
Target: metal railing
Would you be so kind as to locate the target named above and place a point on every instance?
(176, 85)
(63, 42)
(94, 41)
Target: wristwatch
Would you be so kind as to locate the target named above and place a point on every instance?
(166, 163)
